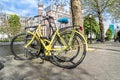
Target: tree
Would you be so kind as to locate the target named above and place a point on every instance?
(98, 7)
(109, 34)
(91, 23)
(114, 10)
(14, 23)
(1, 8)
(76, 9)
(3, 16)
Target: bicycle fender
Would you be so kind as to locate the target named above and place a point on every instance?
(84, 40)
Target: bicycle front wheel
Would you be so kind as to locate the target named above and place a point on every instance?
(18, 49)
(73, 55)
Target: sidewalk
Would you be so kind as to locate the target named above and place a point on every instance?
(99, 64)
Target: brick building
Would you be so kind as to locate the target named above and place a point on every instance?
(4, 19)
(56, 11)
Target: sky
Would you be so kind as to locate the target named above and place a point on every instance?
(26, 7)
(21, 7)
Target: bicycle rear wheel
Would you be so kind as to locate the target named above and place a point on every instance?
(18, 49)
(74, 55)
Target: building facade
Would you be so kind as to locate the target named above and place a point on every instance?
(4, 19)
(56, 11)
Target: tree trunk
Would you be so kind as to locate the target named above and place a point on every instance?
(77, 13)
(101, 27)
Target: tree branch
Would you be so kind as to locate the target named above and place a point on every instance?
(107, 4)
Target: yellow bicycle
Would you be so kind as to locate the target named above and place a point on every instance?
(64, 48)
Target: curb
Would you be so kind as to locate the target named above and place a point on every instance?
(91, 49)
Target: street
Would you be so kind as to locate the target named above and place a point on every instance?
(100, 63)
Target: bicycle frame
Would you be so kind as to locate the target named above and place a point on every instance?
(38, 35)
(74, 30)
(85, 41)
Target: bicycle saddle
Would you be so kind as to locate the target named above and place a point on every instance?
(63, 20)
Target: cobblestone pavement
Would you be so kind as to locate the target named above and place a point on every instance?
(103, 63)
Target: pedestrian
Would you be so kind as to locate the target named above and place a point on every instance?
(118, 35)
(1, 66)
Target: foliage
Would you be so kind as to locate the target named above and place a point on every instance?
(76, 10)
(115, 10)
(98, 7)
(93, 6)
(5, 40)
(109, 34)
(1, 8)
(14, 23)
(4, 29)
(91, 24)
(59, 2)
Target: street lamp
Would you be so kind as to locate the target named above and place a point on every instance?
(90, 16)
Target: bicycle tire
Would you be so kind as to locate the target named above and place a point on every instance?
(18, 49)
(61, 62)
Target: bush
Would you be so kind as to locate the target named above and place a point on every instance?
(5, 40)
(109, 34)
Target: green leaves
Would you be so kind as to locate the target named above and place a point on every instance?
(91, 24)
(104, 6)
(114, 10)
(109, 34)
(14, 23)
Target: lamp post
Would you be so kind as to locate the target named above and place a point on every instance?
(90, 16)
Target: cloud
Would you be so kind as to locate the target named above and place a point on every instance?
(21, 7)
(31, 3)
(11, 12)
(4, 0)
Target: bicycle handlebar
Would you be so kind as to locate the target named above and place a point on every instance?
(30, 27)
(44, 17)
(48, 18)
